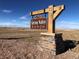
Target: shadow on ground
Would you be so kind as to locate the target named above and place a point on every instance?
(64, 45)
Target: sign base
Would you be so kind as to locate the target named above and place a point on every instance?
(52, 42)
(48, 34)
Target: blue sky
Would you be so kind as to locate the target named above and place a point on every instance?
(15, 13)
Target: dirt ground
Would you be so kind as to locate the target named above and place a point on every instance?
(19, 43)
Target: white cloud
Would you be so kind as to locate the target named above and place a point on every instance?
(6, 24)
(68, 25)
(23, 17)
(15, 24)
(6, 11)
(14, 20)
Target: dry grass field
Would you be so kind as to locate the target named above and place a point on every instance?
(20, 43)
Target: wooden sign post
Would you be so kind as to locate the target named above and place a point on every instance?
(50, 41)
(53, 12)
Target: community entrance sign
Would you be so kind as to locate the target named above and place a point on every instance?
(50, 41)
(53, 12)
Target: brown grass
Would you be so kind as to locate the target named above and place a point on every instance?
(19, 43)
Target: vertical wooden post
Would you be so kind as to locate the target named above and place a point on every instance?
(50, 19)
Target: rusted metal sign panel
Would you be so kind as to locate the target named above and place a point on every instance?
(38, 23)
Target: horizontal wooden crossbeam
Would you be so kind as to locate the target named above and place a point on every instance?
(46, 10)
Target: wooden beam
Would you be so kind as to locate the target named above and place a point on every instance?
(38, 12)
(50, 19)
(46, 10)
(58, 10)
